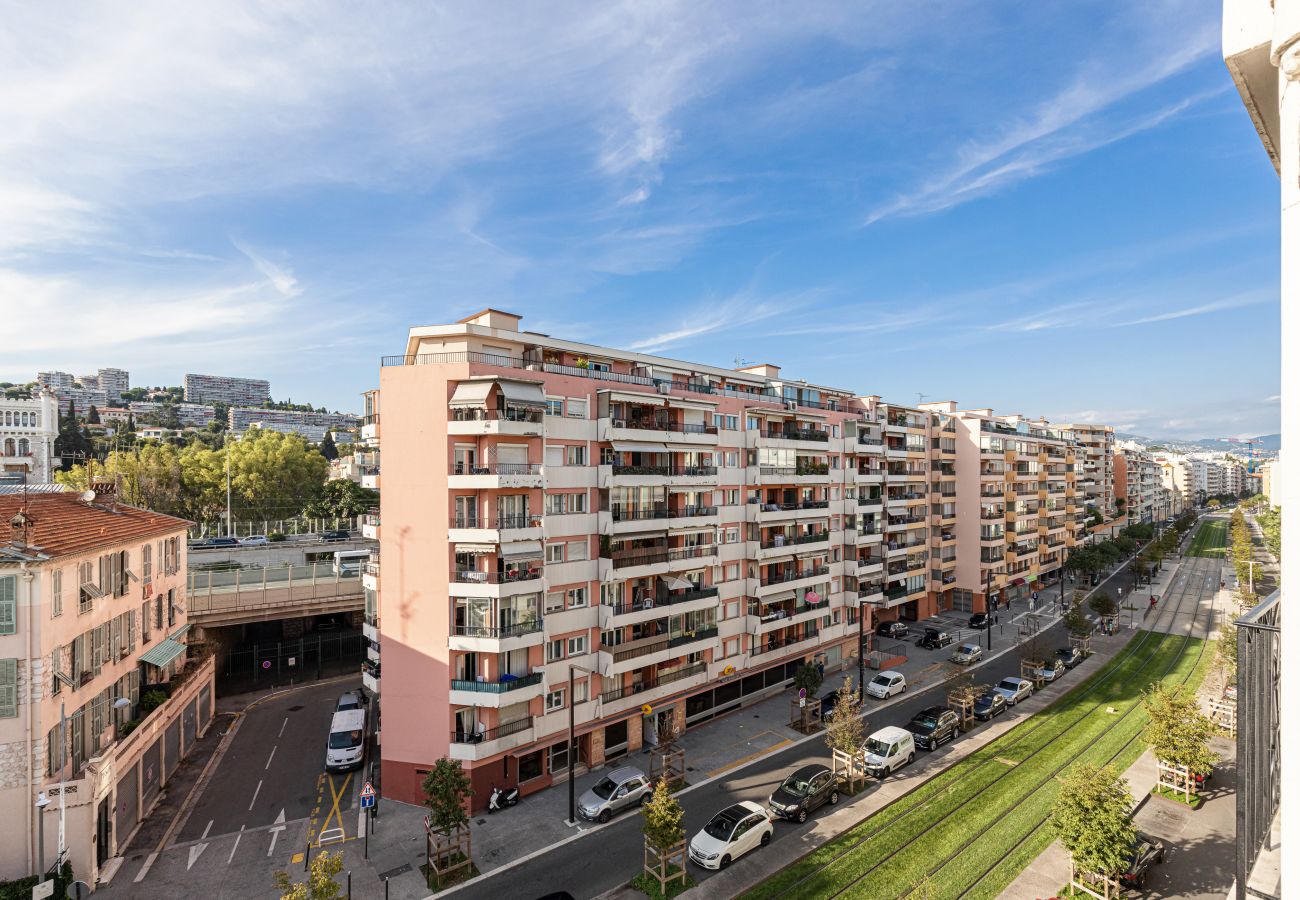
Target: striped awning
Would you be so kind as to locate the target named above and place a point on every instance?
(162, 653)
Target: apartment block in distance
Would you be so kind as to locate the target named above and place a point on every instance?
(1095, 473)
(27, 432)
(231, 391)
(92, 616)
(683, 536)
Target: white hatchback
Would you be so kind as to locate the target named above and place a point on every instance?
(730, 835)
(886, 684)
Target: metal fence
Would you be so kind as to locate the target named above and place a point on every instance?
(288, 527)
(243, 592)
(1259, 753)
(252, 666)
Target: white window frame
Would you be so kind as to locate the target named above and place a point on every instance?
(576, 407)
(555, 553)
(555, 700)
(575, 645)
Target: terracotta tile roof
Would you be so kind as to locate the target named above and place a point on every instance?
(64, 524)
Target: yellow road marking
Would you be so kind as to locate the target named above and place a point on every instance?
(334, 809)
(750, 757)
(297, 858)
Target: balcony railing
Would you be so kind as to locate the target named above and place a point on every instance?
(496, 469)
(870, 441)
(665, 471)
(647, 556)
(798, 434)
(661, 678)
(433, 359)
(772, 644)
(660, 599)
(869, 501)
(635, 514)
(664, 425)
(795, 540)
(522, 520)
(793, 575)
(472, 576)
(491, 734)
(508, 631)
(513, 414)
(504, 686)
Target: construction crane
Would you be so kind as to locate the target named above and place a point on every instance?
(1251, 452)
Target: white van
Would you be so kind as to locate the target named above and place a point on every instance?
(888, 750)
(346, 748)
(348, 563)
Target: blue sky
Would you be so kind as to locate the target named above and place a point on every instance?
(1050, 208)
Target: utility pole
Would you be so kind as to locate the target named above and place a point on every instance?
(573, 744)
(862, 645)
(225, 446)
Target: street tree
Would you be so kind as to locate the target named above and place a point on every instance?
(662, 819)
(846, 734)
(1177, 731)
(447, 790)
(327, 447)
(92, 416)
(1091, 816)
(320, 884)
(1076, 620)
(341, 498)
(1225, 649)
(1103, 604)
(808, 677)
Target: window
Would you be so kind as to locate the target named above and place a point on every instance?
(577, 597)
(577, 645)
(56, 593)
(576, 503)
(731, 497)
(554, 504)
(554, 406)
(555, 700)
(577, 549)
(171, 608)
(719, 420)
(554, 602)
(554, 552)
(730, 647)
(835, 431)
(580, 691)
(575, 454)
(8, 688)
(146, 562)
(731, 535)
(555, 650)
(9, 604)
(576, 409)
(144, 622)
(733, 423)
(731, 458)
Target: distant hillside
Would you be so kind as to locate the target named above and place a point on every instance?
(1266, 442)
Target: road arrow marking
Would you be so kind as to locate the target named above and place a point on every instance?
(195, 852)
(275, 832)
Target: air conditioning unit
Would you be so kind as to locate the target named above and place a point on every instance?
(791, 405)
(663, 387)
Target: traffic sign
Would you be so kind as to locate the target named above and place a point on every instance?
(368, 796)
(42, 890)
(266, 664)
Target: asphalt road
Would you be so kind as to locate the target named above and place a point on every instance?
(569, 867)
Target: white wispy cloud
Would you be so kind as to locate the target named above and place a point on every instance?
(281, 278)
(1200, 309)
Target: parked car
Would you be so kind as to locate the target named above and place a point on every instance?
(346, 747)
(1052, 669)
(1014, 689)
(989, 704)
(934, 639)
(888, 750)
(341, 534)
(933, 726)
(979, 620)
(896, 630)
(827, 702)
(886, 684)
(1147, 851)
(349, 700)
(802, 792)
(213, 543)
(1069, 656)
(254, 540)
(624, 787)
(730, 835)
(966, 654)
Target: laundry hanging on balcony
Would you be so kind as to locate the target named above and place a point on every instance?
(812, 597)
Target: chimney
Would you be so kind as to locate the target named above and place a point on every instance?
(105, 491)
(20, 527)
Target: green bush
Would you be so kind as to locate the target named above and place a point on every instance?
(275, 537)
(150, 701)
(21, 888)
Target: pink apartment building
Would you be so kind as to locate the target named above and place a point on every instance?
(92, 618)
(685, 536)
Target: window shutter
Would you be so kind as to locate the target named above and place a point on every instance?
(8, 688)
(8, 604)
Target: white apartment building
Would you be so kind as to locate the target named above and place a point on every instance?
(194, 415)
(225, 389)
(27, 432)
(311, 425)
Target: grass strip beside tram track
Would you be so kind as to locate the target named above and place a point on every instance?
(1210, 540)
(901, 848)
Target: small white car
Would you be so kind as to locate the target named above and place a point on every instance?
(1014, 689)
(889, 749)
(730, 835)
(254, 540)
(967, 654)
(1052, 670)
(886, 684)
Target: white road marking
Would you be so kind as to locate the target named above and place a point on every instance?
(144, 870)
(275, 832)
(282, 724)
(195, 852)
(255, 790)
(206, 830)
(236, 847)
(361, 822)
(268, 760)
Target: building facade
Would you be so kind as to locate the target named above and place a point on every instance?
(679, 537)
(311, 425)
(190, 415)
(1096, 467)
(92, 616)
(223, 389)
(27, 432)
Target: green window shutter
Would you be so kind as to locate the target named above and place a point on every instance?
(8, 604)
(8, 688)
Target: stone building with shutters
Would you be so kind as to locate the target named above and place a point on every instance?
(93, 632)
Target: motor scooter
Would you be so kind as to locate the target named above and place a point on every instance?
(500, 799)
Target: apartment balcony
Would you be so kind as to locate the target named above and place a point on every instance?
(370, 477)
(503, 692)
(626, 657)
(488, 743)
(370, 677)
(902, 499)
(656, 605)
(370, 575)
(495, 529)
(657, 476)
(871, 592)
(870, 502)
(806, 543)
(774, 513)
(485, 639)
(870, 565)
(789, 438)
(660, 559)
(627, 519)
(370, 429)
(774, 645)
(473, 421)
(663, 684)
(804, 473)
(867, 536)
(370, 628)
(767, 620)
(492, 477)
(475, 583)
(370, 526)
(667, 431)
(796, 579)
(868, 476)
(947, 538)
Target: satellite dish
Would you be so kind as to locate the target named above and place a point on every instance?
(88, 496)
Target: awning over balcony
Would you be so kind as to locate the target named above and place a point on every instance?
(471, 393)
(525, 392)
(521, 550)
(658, 400)
(678, 584)
(162, 653)
(779, 598)
(691, 529)
(480, 549)
(640, 447)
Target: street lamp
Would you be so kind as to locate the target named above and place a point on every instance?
(573, 744)
(862, 645)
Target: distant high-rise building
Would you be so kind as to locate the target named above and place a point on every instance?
(223, 389)
(56, 380)
(311, 425)
(114, 383)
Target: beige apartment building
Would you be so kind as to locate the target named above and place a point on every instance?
(92, 619)
(1095, 475)
(682, 536)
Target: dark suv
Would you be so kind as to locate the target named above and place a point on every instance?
(214, 543)
(933, 639)
(802, 792)
(892, 629)
(932, 726)
(979, 620)
(341, 534)
(989, 704)
(1147, 851)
